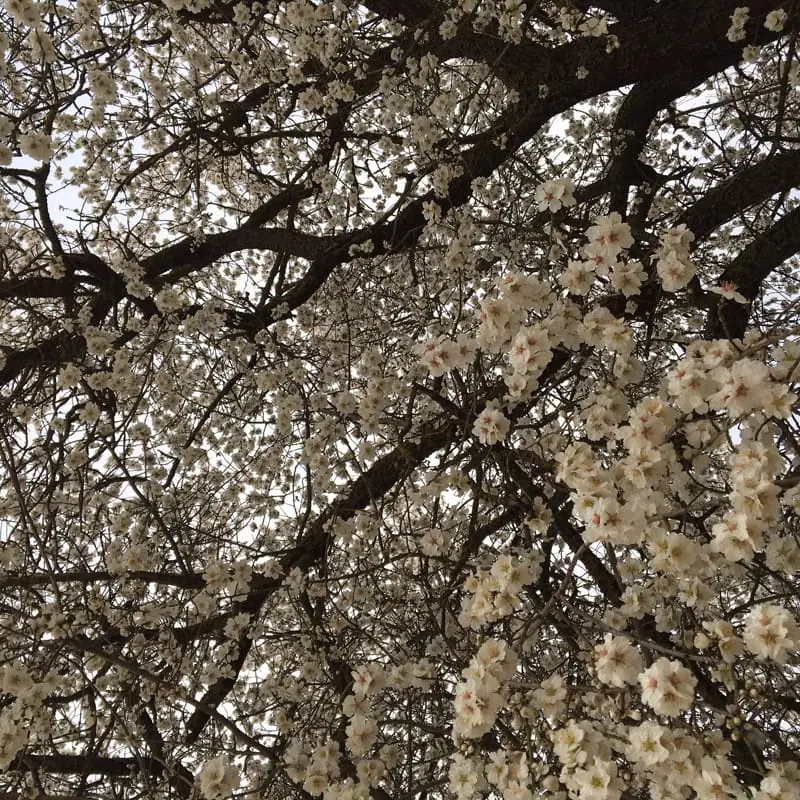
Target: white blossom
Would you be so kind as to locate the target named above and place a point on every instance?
(491, 426)
(667, 687)
(37, 145)
(218, 779)
(771, 632)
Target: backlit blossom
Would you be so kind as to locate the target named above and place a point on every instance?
(218, 779)
(675, 273)
(736, 31)
(667, 687)
(617, 661)
(646, 745)
(776, 20)
(728, 291)
(730, 645)
(742, 387)
(553, 195)
(597, 781)
(37, 145)
(578, 277)
(771, 632)
(609, 234)
(491, 426)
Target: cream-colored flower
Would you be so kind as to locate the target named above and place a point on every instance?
(667, 687)
(218, 779)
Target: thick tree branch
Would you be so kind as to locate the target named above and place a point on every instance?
(728, 320)
(749, 186)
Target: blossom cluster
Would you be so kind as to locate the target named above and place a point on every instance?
(667, 687)
(501, 318)
(673, 263)
(493, 594)
(664, 757)
(554, 195)
(217, 779)
(713, 375)
(736, 31)
(617, 661)
(480, 695)
(754, 502)
(491, 425)
(608, 238)
(444, 355)
(771, 632)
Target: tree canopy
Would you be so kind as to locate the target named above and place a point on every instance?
(398, 399)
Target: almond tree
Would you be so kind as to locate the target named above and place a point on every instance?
(398, 399)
